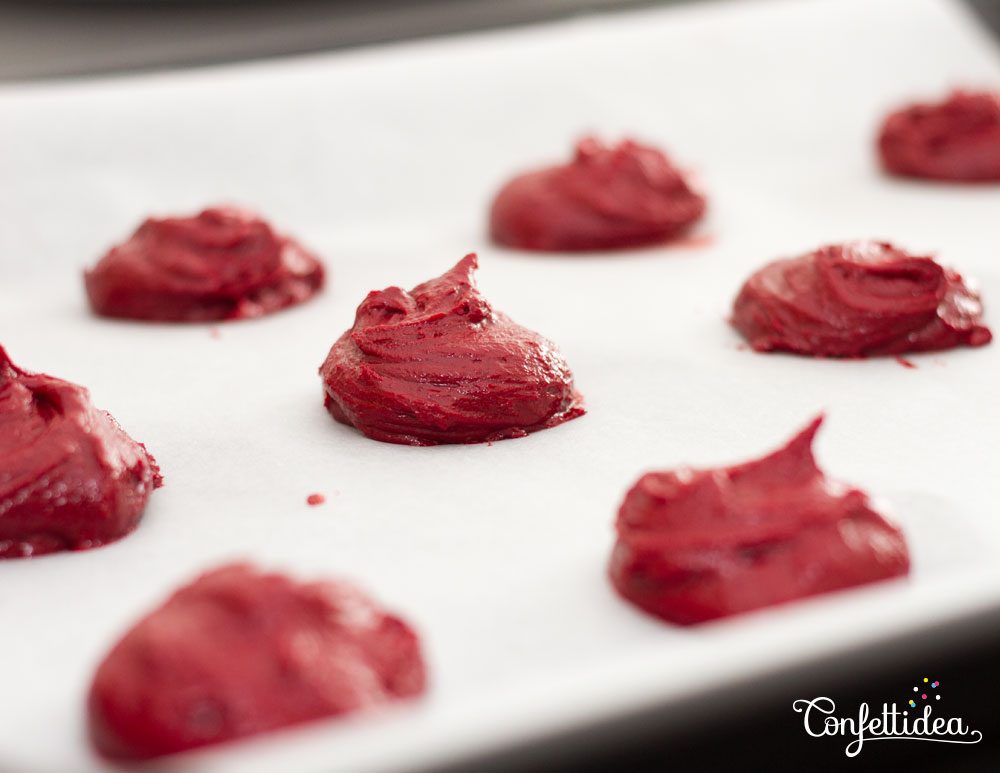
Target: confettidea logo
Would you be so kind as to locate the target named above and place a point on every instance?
(914, 719)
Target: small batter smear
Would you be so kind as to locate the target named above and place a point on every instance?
(694, 242)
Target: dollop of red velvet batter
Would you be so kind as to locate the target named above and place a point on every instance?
(439, 365)
(238, 652)
(223, 263)
(856, 300)
(70, 478)
(957, 139)
(629, 195)
(695, 545)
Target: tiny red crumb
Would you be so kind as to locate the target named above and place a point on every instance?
(315, 499)
(214, 332)
(905, 362)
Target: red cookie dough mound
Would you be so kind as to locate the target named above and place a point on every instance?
(439, 365)
(223, 263)
(70, 478)
(958, 139)
(695, 545)
(238, 652)
(605, 198)
(855, 300)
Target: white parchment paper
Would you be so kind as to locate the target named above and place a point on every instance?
(383, 161)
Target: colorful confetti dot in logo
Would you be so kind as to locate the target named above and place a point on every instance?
(923, 695)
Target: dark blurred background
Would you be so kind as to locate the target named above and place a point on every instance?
(45, 38)
(751, 726)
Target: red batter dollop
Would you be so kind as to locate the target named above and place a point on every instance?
(439, 365)
(695, 545)
(70, 478)
(223, 263)
(858, 299)
(606, 198)
(238, 652)
(958, 139)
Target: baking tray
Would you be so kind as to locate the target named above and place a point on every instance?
(383, 161)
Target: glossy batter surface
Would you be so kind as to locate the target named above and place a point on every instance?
(856, 300)
(439, 365)
(223, 263)
(957, 139)
(628, 195)
(70, 478)
(239, 652)
(695, 545)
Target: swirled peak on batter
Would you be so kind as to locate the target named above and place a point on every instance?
(438, 364)
(606, 197)
(695, 545)
(856, 300)
(70, 478)
(223, 263)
